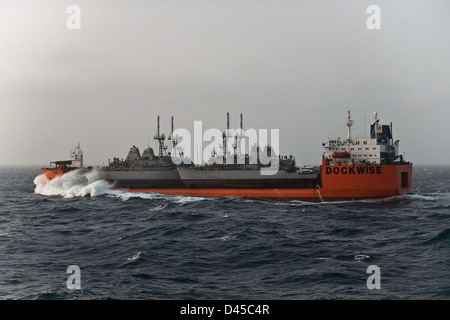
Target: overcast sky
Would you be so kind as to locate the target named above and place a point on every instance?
(292, 65)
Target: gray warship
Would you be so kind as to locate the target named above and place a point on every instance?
(246, 170)
(146, 170)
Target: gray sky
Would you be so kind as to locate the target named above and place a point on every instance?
(292, 65)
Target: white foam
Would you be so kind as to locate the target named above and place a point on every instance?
(185, 199)
(429, 196)
(160, 207)
(135, 257)
(79, 183)
(75, 183)
(360, 257)
(125, 196)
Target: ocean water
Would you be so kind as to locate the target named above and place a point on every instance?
(150, 247)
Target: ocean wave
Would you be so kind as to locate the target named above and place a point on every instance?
(135, 257)
(384, 200)
(437, 196)
(76, 183)
(361, 257)
(440, 237)
(79, 183)
(126, 195)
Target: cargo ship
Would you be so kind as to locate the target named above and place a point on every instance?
(352, 168)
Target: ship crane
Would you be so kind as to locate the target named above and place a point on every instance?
(175, 139)
(240, 136)
(349, 124)
(225, 136)
(237, 139)
(160, 137)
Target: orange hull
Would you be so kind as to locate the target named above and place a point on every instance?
(339, 182)
(365, 181)
(273, 194)
(53, 173)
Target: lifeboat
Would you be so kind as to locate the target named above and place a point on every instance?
(341, 155)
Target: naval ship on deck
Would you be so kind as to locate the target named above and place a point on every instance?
(352, 168)
(147, 170)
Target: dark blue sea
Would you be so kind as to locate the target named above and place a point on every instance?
(141, 246)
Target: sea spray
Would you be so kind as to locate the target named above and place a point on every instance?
(76, 183)
(79, 183)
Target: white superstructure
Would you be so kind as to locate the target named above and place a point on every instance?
(76, 156)
(376, 149)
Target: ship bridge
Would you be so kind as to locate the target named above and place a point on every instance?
(378, 148)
